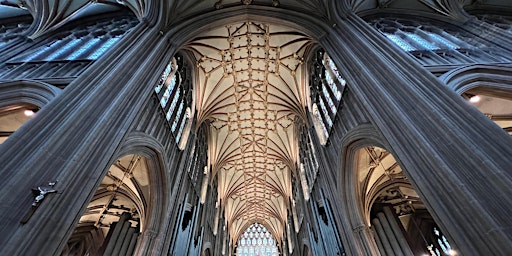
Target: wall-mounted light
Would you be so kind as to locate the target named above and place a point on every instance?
(474, 99)
(29, 112)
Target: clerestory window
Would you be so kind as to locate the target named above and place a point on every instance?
(498, 21)
(174, 91)
(12, 31)
(326, 87)
(68, 52)
(85, 42)
(431, 44)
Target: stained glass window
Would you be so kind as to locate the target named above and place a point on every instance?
(327, 85)
(440, 246)
(431, 45)
(256, 241)
(498, 21)
(173, 90)
(84, 42)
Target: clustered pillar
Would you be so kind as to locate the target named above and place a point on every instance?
(388, 234)
(122, 237)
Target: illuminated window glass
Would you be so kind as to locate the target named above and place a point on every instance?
(441, 45)
(326, 86)
(257, 241)
(83, 42)
(173, 90)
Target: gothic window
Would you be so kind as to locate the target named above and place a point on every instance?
(309, 162)
(60, 53)
(198, 156)
(433, 45)
(256, 241)
(85, 42)
(439, 245)
(326, 85)
(175, 96)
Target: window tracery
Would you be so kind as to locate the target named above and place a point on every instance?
(308, 159)
(85, 42)
(256, 240)
(68, 52)
(326, 86)
(432, 45)
(174, 91)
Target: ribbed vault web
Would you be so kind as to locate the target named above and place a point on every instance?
(251, 92)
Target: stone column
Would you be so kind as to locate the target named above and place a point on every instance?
(388, 231)
(397, 230)
(117, 232)
(381, 236)
(446, 146)
(378, 242)
(72, 140)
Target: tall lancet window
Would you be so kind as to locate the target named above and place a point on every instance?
(439, 45)
(308, 168)
(256, 241)
(326, 86)
(174, 91)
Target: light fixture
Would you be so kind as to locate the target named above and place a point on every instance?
(474, 99)
(28, 112)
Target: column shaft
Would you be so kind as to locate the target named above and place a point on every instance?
(390, 234)
(71, 140)
(116, 233)
(446, 146)
(382, 237)
(404, 245)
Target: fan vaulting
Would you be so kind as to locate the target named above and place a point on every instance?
(251, 92)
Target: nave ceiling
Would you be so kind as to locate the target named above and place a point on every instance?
(250, 90)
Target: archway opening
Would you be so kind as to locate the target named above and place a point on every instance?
(13, 117)
(495, 104)
(399, 219)
(117, 212)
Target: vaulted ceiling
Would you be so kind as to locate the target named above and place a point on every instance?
(51, 14)
(251, 91)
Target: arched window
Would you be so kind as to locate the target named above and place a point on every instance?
(326, 86)
(68, 52)
(256, 241)
(308, 162)
(433, 45)
(174, 91)
(86, 42)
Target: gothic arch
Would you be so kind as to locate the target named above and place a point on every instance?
(493, 79)
(189, 29)
(148, 147)
(352, 211)
(28, 92)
